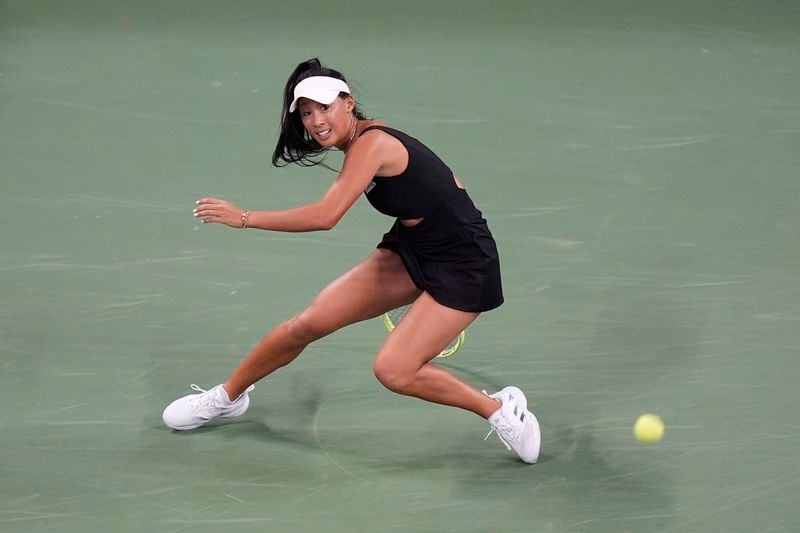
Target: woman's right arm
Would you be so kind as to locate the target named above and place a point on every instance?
(363, 160)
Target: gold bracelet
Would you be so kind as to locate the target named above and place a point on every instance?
(245, 215)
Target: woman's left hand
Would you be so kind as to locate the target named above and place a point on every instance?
(215, 210)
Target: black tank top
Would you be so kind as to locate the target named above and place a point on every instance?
(424, 186)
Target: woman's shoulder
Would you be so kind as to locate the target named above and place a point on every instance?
(374, 125)
(377, 139)
(376, 130)
(378, 133)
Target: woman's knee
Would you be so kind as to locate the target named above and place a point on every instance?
(393, 377)
(304, 328)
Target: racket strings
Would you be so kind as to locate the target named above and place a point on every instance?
(393, 317)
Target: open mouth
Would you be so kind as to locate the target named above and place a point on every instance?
(324, 134)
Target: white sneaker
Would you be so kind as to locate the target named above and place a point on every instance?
(515, 425)
(194, 410)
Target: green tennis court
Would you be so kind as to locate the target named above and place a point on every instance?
(637, 162)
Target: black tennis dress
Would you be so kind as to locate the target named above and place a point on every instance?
(451, 253)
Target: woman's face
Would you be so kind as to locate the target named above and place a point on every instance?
(329, 125)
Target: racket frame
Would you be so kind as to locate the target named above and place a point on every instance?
(447, 352)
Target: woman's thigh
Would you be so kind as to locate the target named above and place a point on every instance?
(375, 285)
(426, 329)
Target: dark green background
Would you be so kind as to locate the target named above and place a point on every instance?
(637, 161)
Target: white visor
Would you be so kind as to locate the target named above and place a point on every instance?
(322, 89)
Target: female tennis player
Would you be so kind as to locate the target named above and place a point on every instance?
(438, 256)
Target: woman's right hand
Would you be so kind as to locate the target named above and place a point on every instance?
(218, 211)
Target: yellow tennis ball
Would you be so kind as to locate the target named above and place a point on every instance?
(648, 428)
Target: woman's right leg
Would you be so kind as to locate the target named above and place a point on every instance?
(375, 285)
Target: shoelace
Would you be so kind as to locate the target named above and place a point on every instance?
(203, 400)
(505, 429)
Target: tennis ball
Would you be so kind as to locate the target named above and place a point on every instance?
(648, 428)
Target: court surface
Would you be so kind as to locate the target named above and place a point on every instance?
(637, 161)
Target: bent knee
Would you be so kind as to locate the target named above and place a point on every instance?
(304, 328)
(393, 378)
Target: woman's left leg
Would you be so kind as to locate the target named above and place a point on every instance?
(403, 362)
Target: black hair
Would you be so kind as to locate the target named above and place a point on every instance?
(294, 144)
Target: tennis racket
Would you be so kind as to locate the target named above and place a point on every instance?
(393, 317)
